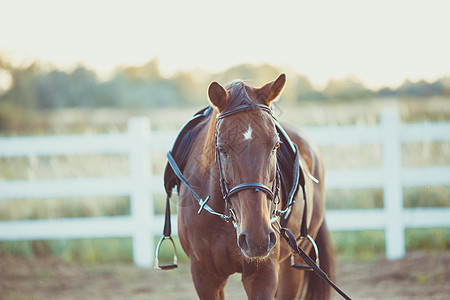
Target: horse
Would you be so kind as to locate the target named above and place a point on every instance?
(232, 166)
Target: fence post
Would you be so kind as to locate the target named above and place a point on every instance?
(141, 200)
(392, 189)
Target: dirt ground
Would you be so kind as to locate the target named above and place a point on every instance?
(417, 276)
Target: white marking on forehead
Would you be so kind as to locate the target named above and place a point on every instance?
(248, 134)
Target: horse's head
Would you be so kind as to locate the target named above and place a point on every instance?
(246, 143)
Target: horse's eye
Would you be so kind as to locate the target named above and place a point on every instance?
(277, 145)
(223, 152)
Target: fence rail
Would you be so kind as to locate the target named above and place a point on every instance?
(140, 185)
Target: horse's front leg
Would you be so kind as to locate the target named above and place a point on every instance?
(207, 283)
(260, 279)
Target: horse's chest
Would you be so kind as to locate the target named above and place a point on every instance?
(210, 241)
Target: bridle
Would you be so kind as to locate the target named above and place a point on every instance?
(227, 193)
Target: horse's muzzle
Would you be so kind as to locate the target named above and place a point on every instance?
(254, 248)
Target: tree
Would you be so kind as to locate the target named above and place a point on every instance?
(60, 89)
(147, 72)
(349, 88)
(304, 90)
(21, 93)
(421, 88)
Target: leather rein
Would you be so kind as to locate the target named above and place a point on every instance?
(272, 193)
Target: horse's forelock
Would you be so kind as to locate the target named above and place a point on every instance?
(238, 95)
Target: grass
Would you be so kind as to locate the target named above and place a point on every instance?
(427, 196)
(84, 250)
(427, 239)
(360, 245)
(350, 199)
(88, 250)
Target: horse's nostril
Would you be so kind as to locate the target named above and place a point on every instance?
(272, 239)
(242, 242)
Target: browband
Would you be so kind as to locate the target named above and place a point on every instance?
(244, 107)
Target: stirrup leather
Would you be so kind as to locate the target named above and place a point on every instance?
(304, 266)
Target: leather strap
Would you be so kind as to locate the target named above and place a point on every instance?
(251, 185)
(201, 202)
(290, 238)
(244, 107)
(167, 225)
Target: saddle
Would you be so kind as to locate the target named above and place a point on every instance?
(286, 157)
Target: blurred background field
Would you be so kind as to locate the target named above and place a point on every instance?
(340, 103)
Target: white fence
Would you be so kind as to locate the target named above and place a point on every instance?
(142, 225)
(392, 177)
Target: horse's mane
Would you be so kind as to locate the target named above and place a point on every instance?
(237, 95)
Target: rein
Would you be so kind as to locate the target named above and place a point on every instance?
(273, 194)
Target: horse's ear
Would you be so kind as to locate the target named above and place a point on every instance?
(218, 95)
(273, 89)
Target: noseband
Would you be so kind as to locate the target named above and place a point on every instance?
(227, 193)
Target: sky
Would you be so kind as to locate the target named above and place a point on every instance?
(381, 42)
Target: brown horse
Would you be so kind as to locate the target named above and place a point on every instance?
(233, 160)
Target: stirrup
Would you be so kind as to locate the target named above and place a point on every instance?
(175, 259)
(303, 266)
